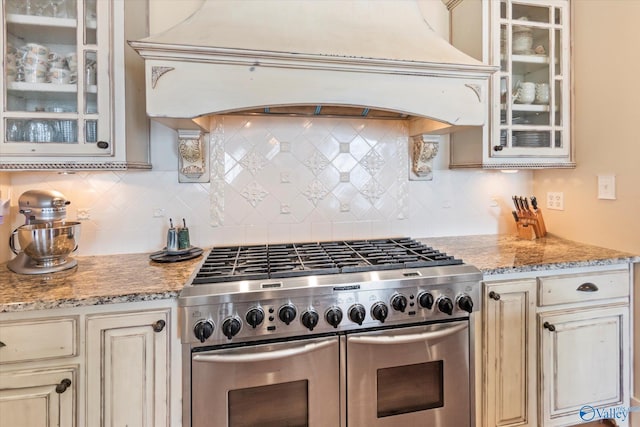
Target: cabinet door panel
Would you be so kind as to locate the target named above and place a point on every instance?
(35, 399)
(127, 365)
(583, 361)
(510, 352)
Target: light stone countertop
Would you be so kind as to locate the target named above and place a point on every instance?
(134, 277)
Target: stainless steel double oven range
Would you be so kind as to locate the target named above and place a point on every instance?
(351, 333)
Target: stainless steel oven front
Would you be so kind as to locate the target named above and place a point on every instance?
(291, 383)
(415, 376)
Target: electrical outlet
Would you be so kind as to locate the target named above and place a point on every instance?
(555, 200)
(83, 214)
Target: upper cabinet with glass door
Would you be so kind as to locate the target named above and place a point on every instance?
(65, 88)
(529, 117)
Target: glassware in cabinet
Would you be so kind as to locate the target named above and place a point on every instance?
(533, 78)
(63, 64)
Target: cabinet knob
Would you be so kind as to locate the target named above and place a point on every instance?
(549, 326)
(587, 287)
(2, 344)
(103, 144)
(63, 386)
(494, 295)
(159, 325)
(497, 148)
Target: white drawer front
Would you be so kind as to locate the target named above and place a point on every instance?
(37, 339)
(572, 288)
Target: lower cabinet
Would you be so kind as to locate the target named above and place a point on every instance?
(44, 398)
(510, 353)
(583, 367)
(556, 349)
(127, 366)
(111, 365)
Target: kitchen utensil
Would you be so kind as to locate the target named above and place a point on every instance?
(526, 93)
(47, 244)
(164, 256)
(542, 93)
(529, 222)
(183, 236)
(45, 240)
(172, 238)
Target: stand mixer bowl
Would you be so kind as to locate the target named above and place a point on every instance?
(47, 244)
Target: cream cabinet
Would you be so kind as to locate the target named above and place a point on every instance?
(73, 90)
(127, 369)
(509, 338)
(38, 398)
(106, 365)
(583, 322)
(529, 121)
(38, 377)
(556, 348)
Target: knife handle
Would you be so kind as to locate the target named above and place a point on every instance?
(515, 215)
(534, 203)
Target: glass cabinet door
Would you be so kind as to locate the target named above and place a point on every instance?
(532, 102)
(55, 58)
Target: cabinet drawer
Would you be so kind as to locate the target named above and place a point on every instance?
(573, 288)
(38, 339)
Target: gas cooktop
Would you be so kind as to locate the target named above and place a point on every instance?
(234, 263)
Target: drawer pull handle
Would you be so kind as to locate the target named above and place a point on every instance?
(63, 386)
(587, 287)
(549, 326)
(158, 326)
(494, 295)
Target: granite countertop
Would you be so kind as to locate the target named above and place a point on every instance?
(134, 277)
(503, 253)
(96, 280)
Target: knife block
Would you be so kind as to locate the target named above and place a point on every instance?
(526, 231)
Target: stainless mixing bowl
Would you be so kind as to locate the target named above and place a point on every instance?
(48, 244)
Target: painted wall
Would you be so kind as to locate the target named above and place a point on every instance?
(607, 141)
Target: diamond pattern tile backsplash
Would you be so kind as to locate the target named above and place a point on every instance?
(282, 179)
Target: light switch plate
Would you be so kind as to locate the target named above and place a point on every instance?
(607, 187)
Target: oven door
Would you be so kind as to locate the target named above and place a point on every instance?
(415, 376)
(292, 383)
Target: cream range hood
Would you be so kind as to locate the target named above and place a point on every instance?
(354, 58)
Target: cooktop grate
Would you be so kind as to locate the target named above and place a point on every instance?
(232, 263)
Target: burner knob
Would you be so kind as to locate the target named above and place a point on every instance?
(287, 313)
(203, 329)
(231, 326)
(310, 319)
(399, 302)
(357, 313)
(465, 303)
(379, 311)
(445, 305)
(333, 316)
(254, 317)
(425, 299)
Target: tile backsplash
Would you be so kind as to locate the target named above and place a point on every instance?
(282, 179)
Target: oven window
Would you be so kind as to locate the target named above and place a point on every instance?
(410, 388)
(275, 405)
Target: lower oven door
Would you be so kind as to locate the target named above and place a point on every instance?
(416, 376)
(281, 384)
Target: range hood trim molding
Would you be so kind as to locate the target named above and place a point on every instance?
(245, 57)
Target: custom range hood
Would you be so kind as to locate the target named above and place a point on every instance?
(312, 57)
(347, 58)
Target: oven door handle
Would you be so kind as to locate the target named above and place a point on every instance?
(263, 356)
(408, 338)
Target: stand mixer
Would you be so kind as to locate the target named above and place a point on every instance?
(46, 239)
